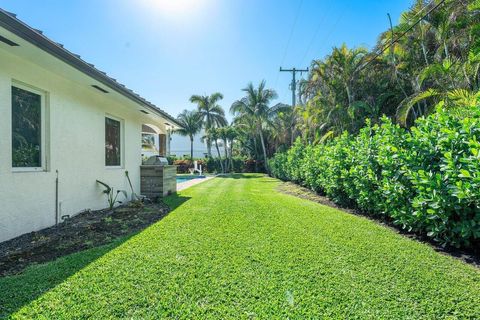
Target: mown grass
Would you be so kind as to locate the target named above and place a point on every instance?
(236, 248)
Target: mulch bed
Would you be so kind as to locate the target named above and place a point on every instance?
(86, 230)
(471, 257)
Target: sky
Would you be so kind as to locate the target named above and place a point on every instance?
(167, 50)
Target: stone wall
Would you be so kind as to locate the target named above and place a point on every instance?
(158, 181)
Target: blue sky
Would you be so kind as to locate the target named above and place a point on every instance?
(167, 50)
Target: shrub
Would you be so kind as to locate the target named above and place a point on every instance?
(427, 180)
(171, 159)
(183, 165)
(240, 164)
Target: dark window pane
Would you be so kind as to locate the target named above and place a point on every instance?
(26, 129)
(112, 142)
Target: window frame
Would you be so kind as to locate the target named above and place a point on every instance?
(122, 142)
(44, 152)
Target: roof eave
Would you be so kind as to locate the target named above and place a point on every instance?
(35, 37)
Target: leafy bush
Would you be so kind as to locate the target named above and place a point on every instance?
(183, 165)
(212, 165)
(171, 159)
(240, 165)
(427, 180)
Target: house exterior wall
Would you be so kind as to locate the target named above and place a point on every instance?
(76, 142)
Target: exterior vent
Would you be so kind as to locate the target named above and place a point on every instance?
(143, 111)
(9, 42)
(99, 89)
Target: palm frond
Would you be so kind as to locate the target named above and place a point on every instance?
(407, 104)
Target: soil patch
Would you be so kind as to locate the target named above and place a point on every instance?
(86, 230)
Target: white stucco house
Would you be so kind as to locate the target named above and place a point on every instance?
(60, 117)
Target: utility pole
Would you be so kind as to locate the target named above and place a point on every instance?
(294, 81)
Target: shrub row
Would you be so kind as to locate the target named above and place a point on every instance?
(212, 165)
(426, 179)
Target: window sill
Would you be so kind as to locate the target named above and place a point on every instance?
(19, 170)
(114, 167)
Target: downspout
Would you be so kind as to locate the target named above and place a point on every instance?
(56, 198)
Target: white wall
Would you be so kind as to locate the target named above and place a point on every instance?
(77, 142)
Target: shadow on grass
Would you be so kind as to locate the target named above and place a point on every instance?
(175, 200)
(19, 290)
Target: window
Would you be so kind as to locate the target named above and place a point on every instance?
(27, 130)
(113, 152)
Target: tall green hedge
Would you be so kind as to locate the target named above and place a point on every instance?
(426, 179)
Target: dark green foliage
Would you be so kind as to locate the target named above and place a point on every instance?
(426, 180)
(240, 165)
(212, 165)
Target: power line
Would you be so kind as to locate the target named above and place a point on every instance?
(401, 35)
(321, 21)
(290, 37)
(332, 29)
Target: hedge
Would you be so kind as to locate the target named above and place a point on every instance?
(426, 179)
(212, 165)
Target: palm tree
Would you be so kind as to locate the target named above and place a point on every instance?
(246, 135)
(210, 112)
(228, 134)
(256, 105)
(344, 64)
(191, 123)
(213, 134)
(231, 135)
(223, 135)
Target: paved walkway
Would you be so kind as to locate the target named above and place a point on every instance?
(187, 184)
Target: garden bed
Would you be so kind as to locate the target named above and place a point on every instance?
(86, 230)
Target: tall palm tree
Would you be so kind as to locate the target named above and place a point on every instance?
(227, 134)
(191, 123)
(246, 135)
(213, 134)
(231, 135)
(211, 113)
(223, 135)
(256, 105)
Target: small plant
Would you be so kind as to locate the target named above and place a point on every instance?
(112, 196)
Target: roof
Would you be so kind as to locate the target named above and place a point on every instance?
(10, 22)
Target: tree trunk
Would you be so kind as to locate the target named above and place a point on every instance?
(445, 48)
(225, 147)
(256, 153)
(209, 148)
(292, 134)
(468, 82)
(231, 155)
(349, 94)
(191, 148)
(264, 150)
(424, 51)
(219, 156)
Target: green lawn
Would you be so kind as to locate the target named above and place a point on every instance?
(236, 248)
